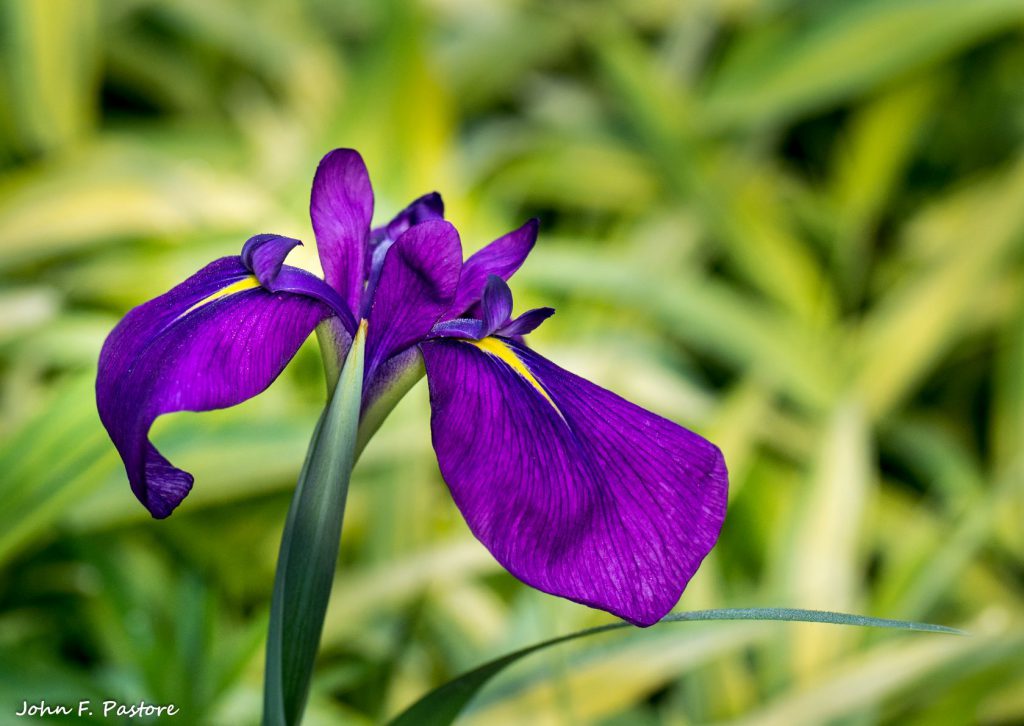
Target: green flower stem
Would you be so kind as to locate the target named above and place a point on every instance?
(309, 547)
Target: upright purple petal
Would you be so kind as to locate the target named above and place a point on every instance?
(341, 209)
(211, 342)
(417, 282)
(496, 303)
(424, 209)
(575, 491)
(502, 257)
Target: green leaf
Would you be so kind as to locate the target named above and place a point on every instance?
(444, 704)
(309, 548)
(858, 47)
(51, 62)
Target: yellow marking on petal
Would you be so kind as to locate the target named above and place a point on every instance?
(246, 283)
(501, 350)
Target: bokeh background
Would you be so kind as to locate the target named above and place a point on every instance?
(796, 227)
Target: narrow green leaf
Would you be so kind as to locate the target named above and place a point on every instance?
(309, 548)
(858, 47)
(444, 704)
(51, 58)
(922, 317)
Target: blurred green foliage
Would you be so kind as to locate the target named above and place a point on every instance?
(796, 227)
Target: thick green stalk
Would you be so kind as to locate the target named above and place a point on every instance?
(309, 547)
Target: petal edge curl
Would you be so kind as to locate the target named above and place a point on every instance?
(213, 341)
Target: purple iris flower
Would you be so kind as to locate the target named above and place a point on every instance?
(575, 491)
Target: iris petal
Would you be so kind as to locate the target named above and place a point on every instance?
(424, 209)
(341, 208)
(460, 328)
(429, 206)
(574, 490)
(264, 254)
(526, 323)
(417, 283)
(213, 341)
(502, 257)
(298, 281)
(496, 303)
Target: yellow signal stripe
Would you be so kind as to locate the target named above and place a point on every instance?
(501, 350)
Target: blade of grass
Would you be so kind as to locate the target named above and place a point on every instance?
(444, 704)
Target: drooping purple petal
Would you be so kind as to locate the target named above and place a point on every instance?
(496, 303)
(502, 257)
(526, 323)
(341, 208)
(417, 282)
(213, 341)
(575, 491)
(264, 255)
